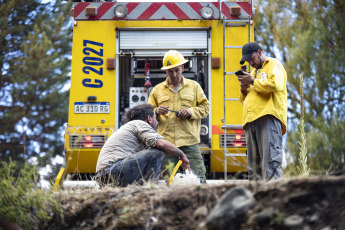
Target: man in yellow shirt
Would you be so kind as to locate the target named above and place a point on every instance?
(264, 99)
(186, 96)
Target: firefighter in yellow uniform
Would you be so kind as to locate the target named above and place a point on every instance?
(186, 96)
(264, 98)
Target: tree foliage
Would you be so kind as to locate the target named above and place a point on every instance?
(309, 37)
(34, 61)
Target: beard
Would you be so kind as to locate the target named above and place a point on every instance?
(258, 66)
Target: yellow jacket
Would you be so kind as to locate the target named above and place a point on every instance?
(268, 95)
(189, 95)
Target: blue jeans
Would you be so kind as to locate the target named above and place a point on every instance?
(143, 166)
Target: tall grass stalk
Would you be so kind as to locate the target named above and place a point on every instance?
(302, 166)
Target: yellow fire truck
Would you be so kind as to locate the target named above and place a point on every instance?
(118, 48)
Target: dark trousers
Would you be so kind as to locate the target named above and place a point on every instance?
(264, 148)
(143, 166)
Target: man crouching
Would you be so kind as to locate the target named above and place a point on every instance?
(135, 152)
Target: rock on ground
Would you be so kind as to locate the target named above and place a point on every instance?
(231, 209)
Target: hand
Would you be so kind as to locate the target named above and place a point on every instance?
(244, 87)
(245, 79)
(162, 110)
(185, 114)
(185, 163)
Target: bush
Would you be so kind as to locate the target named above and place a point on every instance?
(22, 201)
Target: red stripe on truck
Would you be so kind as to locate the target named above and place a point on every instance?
(176, 11)
(80, 7)
(150, 11)
(103, 9)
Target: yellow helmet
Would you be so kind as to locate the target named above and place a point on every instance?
(172, 59)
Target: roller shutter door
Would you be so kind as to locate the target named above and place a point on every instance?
(163, 40)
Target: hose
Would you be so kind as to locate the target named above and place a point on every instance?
(174, 172)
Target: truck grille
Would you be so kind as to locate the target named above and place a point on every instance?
(233, 140)
(87, 141)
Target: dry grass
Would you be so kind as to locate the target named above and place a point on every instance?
(302, 168)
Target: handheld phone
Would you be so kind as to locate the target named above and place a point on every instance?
(239, 72)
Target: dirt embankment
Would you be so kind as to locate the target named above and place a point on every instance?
(316, 203)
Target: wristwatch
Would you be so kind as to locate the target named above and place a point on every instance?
(252, 82)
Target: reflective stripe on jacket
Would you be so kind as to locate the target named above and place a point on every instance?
(268, 95)
(189, 95)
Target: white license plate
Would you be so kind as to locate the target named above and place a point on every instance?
(91, 107)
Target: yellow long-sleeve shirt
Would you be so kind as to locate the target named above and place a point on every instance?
(180, 132)
(268, 95)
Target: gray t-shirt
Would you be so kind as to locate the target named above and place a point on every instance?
(131, 138)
